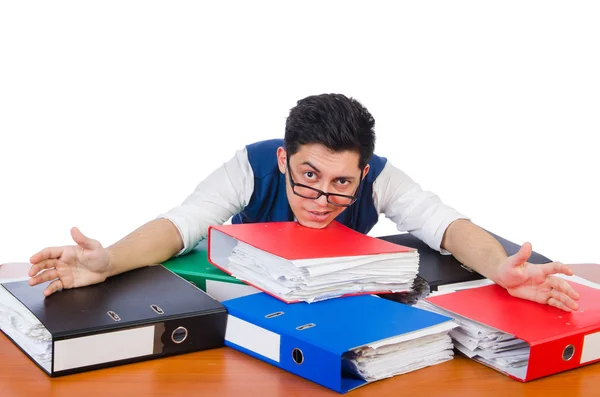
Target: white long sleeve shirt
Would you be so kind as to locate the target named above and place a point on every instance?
(228, 189)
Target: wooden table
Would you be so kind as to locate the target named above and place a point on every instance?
(226, 372)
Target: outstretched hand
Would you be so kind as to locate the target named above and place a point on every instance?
(536, 282)
(70, 266)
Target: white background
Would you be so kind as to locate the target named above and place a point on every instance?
(112, 112)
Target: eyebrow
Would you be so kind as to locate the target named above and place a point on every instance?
(317, 170)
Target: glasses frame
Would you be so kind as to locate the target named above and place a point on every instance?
(320, 193)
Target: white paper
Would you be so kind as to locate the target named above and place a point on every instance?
(25, 329)
(318, 279)
(486, 344)
(396, 356)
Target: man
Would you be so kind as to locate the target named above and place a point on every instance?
(323, 170)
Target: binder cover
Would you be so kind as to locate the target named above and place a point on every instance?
(142, 314)
(292, 241)
(310, 339)
(558, 340)
(440, 270)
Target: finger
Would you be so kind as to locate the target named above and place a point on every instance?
(46, 253)
(562, 286)
(43, 277)
(82, 240)
(43, 265)
(558, 304)
(54, 286)
(556, 267)
(522, 255)
(563, 299)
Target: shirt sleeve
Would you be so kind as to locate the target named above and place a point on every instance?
(223, 194)
(412, 209)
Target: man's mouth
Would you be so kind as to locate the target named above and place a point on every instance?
(319, 215)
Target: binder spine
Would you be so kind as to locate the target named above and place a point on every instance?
(289, 353)
(312, 362)
(570, 352)
(100, 348)
(76, 353)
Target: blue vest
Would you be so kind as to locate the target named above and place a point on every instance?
(269, 200)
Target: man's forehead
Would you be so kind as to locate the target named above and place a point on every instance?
(326, 160)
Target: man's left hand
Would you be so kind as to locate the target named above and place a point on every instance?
(535, 282)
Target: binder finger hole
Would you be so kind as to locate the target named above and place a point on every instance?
(274, 314)
(305, 326)
(179, 335)
(114, 315)
(297, 356)
(157, 309)
(568, 352)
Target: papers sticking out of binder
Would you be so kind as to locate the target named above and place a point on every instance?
(25, 330)
(485, 344)
(400, 355)
(295, 263)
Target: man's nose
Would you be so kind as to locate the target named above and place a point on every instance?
(322, 201)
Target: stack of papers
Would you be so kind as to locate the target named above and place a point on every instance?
(420, 290)
(25, 329)
(313, 280)
(400, 355)
(486, 344)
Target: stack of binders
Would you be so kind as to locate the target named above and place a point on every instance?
(303, 300)
(315, 312)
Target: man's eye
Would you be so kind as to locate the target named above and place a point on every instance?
(309, 174)
(343, 181)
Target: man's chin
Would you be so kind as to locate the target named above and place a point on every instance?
(314, 225)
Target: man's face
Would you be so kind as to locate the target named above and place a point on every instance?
(317, 167)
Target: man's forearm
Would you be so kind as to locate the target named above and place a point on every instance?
(474, 247)
(150, 244)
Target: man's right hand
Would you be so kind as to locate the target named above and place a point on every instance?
(70, 266)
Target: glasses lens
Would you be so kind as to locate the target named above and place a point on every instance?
(305, 192)
(340, 200)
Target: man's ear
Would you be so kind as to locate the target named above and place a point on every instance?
(366, 171)
(281, 159)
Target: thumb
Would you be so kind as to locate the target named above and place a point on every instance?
(81, 240)
(521, 256)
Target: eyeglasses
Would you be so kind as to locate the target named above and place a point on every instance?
(307, 192)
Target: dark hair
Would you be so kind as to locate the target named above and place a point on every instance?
(333, 120)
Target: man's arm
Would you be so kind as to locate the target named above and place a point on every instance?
(441, 227)
(474, 247)
(477, 249)
(88, 262)
(218, 197)
(152, 243)
(412, 209)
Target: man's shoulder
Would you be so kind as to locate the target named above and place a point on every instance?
(262, 156)
(376, 165)
(266, 145)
